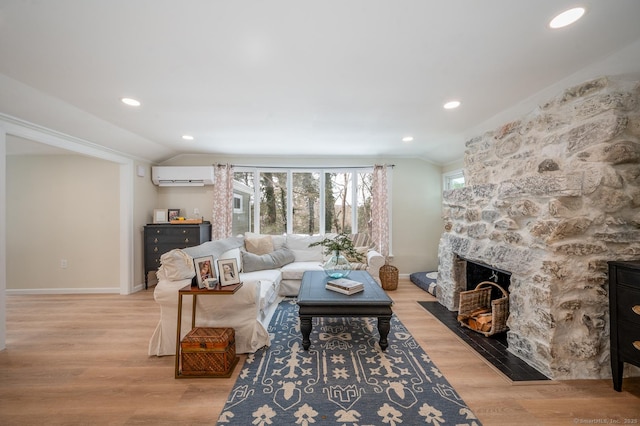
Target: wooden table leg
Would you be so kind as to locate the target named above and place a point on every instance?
(305, 328)
(384, 325)
(177, 371)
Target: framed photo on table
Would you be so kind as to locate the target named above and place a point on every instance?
(160, 216)
(204, 270)
(228, 271)
(173, 214)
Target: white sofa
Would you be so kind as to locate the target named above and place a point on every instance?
(266, 279)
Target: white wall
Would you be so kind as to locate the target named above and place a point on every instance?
(62, 207)
(3, 240)
(145, 200)
(417, 215)
(456, 165)
(417, 222)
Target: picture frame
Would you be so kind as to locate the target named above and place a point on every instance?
(228, 271)
(204, 270)
(160, 216)
(173, 214)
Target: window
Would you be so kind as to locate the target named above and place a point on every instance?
(308, 201)
(453, 179)
(237, 203)
(243, 204)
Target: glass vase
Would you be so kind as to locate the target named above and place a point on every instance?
(337, 266)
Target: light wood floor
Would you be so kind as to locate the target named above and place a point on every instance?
(82, 359)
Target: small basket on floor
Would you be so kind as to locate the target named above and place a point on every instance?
(389, 277)
(479, 313)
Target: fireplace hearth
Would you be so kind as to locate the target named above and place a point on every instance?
(549, 200)
(493, 349)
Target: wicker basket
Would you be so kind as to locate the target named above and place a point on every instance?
(474, 300)
(389, 277)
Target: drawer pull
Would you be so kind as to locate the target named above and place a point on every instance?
(155, 240)
(636, 309)
(157, 231)
(636, 344)
(155, 249)
(184, 231)
(186, 240)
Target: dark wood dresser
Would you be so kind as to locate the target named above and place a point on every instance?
(624, 307)
(164, 237)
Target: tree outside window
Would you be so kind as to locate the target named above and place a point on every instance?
(295, 201)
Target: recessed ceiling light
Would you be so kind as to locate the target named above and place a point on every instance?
(452, 105)
(407, 139)
(130, 101)
(567, 17)
(187, 137)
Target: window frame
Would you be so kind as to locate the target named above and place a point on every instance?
(355, 171)
(449, 177)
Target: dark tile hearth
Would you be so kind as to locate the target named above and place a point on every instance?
(493, 349)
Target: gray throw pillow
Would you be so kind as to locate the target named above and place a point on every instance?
(277, 258)
(214, 248)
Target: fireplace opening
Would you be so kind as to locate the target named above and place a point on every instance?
(478, 272)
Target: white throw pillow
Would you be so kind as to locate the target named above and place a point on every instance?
(277, 240)
(299, 245)
(259, 246)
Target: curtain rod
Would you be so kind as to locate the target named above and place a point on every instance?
(262, 166)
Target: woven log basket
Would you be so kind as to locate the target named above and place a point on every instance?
(480, 298)
(389, 276)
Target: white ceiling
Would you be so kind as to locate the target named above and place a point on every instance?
(298, 78)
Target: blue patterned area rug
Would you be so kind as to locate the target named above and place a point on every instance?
(344, 378)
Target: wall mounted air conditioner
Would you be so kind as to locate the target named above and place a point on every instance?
(182, 175)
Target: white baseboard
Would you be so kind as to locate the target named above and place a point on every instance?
(111, 290)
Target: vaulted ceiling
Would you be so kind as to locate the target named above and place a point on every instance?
(299, 78)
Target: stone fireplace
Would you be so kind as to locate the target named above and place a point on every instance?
(550, 199)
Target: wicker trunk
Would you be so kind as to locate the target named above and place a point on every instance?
(208, 352)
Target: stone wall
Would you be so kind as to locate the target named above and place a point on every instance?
(551, 198)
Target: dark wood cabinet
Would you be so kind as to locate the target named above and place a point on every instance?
(164, 237)
(624, 309)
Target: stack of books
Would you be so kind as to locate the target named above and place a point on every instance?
(345, 286)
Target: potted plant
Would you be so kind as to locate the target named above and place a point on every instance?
(339, 248)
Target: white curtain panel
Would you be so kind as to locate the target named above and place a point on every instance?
(222, 222)
(379, 210)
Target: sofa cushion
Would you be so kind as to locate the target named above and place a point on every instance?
(362, 251)
(271, 275)
(277, 258)
(295, 270)
(362, 239)
(278, 241)
(269, 281)
(357, 266)
(214, 248)
(299, 245)
(259, 246)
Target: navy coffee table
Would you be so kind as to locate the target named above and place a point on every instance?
(314, 300)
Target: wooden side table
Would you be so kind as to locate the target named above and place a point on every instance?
(195, 292)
